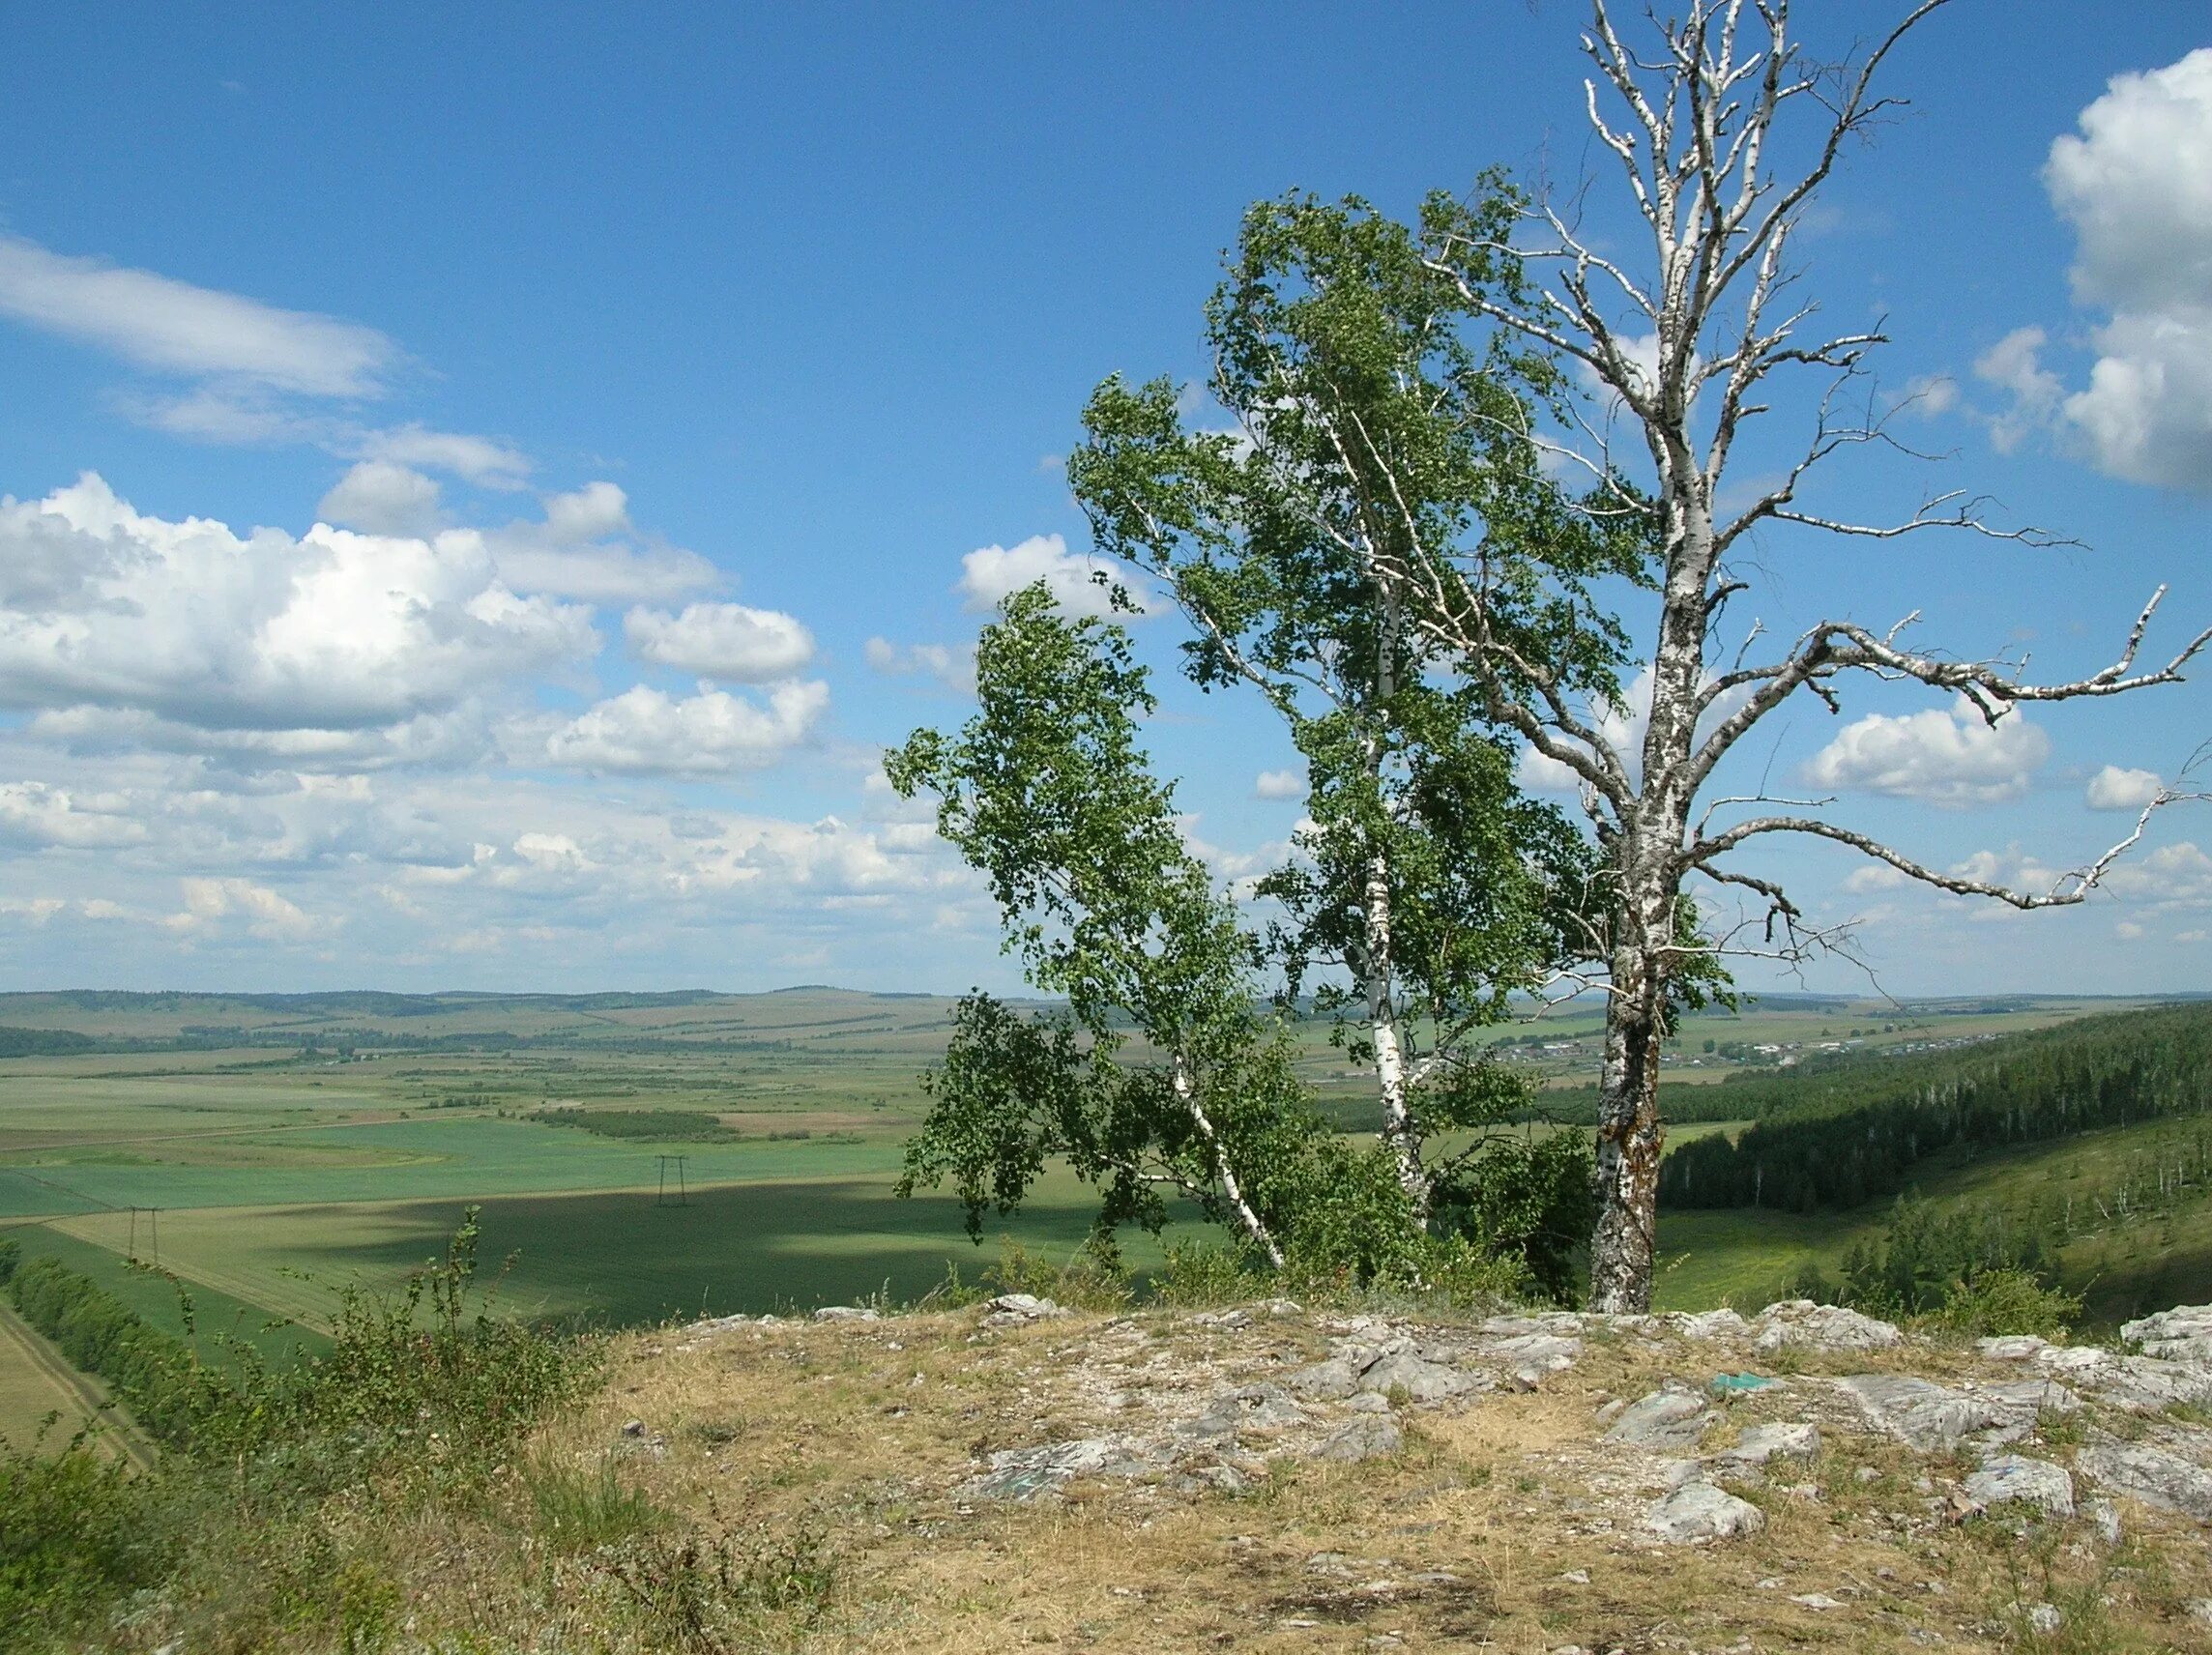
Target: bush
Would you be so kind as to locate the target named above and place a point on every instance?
(75, 1534)
(2006, 1301)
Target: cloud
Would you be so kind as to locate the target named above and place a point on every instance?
(476, 459)
(268, 916)
(586, 548)
(2115, 789)
(173, 327)
(951, 665)
(713, 732)
(2136, 185)
(36, 816)
(1080, 581)
(726, 641)
(2015, 364)
(1954, 759)
(383, 498)
(190, 622)
(1279, 784)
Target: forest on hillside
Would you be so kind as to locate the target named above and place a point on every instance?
(1857, 1133)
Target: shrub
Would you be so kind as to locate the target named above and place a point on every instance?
(579, 1507)
(2006, 1301)
(75, 1534)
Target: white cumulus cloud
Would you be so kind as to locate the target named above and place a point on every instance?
(208, 902)
(1954, 758)
(194, 623)
(383, 498)
(713, 732)
(1279, 784)
(1079, 580)
(2115, 789)
(586, 548)
(2136, 183)
(726, 641)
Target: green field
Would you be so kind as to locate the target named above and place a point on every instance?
(279, 1148)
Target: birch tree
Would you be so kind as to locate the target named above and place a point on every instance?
(1720, 129)
(1427, 889)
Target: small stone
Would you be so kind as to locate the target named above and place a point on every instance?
(1866, 1475)
(1368, 1402)
(1012, 1309)
(846, 1312)
(1576, 1577)
(2198, 1609)
(1707, 1325)
(1333, 1380)
(2010, 1347)
(1817, 1601)
(1664, 1419)
(633, 1427)
(1699, 1511)
(2042, 1618)
(2107, 1517)
(2012, 1478)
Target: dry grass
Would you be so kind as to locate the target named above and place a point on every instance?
(813, 1469)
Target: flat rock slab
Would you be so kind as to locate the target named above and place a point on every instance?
(2151, 1475)
(1706, 1325)
(1699, 1511)
(1919, 1412)
(1664, 1419)
(1764, 1443)
(1420, 1379)
(1801, 1323)
(1025, 1475)
(2182, 1334)
(2012, 1478)
(2141, 1385)
(1530, 1359)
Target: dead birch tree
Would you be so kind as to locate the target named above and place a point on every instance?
(1686, 339)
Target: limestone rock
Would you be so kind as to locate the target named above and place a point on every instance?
(1699, 1511)
(2182, 1334)
(845, 1313)
(2012, 1347)
(1664, 1419)
(1331, 1380)
(1919, 1412)
(2011, 1477)
(1810, 1327)
(2151, 1475)
(1025, 1474)
(1533, 1358)
(1012, 1309)
(1421, 1379)
(2143, 1385)
(1707, 1325)
(1764, 1443)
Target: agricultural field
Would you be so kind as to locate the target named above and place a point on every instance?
(229, 1165)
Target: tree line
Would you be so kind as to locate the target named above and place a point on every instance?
(1860, 1133)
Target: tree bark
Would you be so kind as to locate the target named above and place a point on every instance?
(1232, 1190)
(1629, 1140)
(1399, 1128)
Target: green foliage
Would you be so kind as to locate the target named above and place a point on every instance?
(74, 1534)
(1929, 1261)
(11, 1254)
(2007, 1301)
(155, 1375)
(672, 1125)
(1857, 1134)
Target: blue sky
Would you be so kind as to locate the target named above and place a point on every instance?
(659, 387)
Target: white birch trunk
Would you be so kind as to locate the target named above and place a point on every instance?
(1233, 1191)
